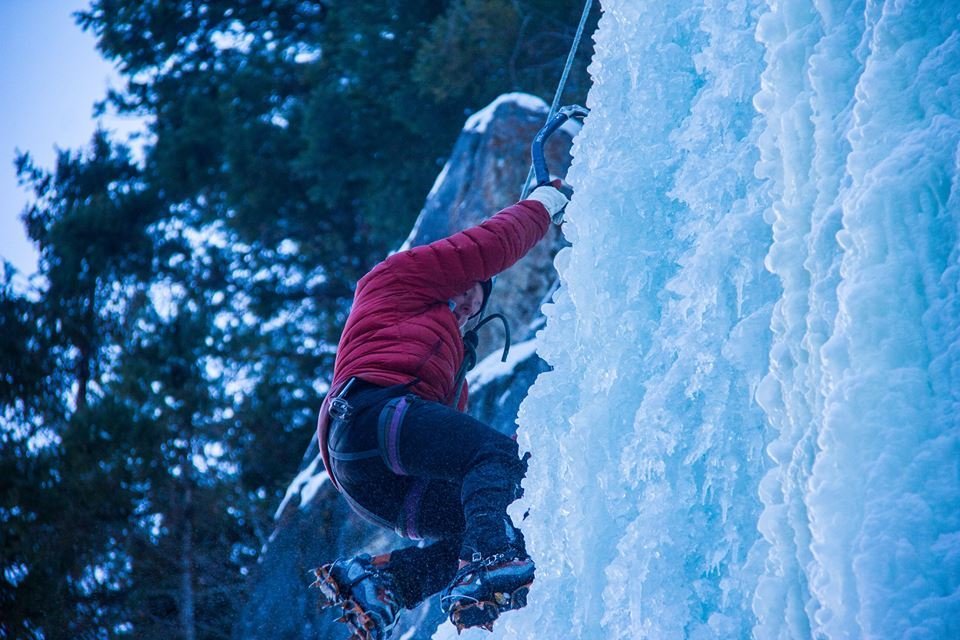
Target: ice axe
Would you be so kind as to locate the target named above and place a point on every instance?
(540, 171)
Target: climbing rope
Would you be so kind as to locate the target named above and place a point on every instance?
(563, 81)
(471, 339)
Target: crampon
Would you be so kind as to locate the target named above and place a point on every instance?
(369, 607)
(483, 613)
(481, 591)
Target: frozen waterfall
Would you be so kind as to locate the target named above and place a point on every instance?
(752, 425)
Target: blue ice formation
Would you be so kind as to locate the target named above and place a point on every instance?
(752, 425)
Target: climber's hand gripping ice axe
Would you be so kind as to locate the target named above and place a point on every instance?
(536, 149)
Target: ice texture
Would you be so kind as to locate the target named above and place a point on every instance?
(751, 427)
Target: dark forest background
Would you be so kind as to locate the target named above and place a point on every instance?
(159, 380)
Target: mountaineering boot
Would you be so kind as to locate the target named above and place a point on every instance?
(365, 591)
(486, 587)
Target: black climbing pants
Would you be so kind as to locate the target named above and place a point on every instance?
(428, 472)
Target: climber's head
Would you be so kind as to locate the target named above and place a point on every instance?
(471, 302)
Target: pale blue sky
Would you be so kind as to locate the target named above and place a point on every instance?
(51, 75)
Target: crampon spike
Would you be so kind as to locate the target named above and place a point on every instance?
(329, 589)
(475, 614)
(518, 599)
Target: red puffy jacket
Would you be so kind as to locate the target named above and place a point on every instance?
(401, 327)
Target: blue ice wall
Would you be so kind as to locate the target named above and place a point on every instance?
(752, 425)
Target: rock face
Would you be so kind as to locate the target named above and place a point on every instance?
(486, 171)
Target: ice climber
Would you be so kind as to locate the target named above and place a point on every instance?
(396, 443)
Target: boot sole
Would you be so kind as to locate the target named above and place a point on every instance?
(476, 613)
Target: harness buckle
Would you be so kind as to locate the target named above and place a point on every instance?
(340, 409)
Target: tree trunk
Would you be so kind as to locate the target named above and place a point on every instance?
(187, 597)
(84, 344)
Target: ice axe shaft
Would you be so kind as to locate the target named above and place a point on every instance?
(540, 170)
